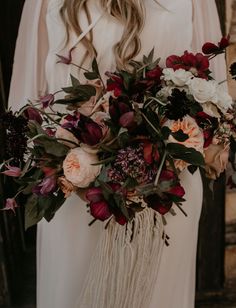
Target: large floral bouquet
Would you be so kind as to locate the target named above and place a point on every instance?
(122, 144)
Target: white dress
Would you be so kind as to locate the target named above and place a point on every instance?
(66, 244)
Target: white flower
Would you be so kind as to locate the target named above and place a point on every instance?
(66, 135)
(203, 90)
(79, 169)
(224, 100)
(179, 77)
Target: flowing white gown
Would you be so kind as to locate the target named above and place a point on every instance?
(65, 245)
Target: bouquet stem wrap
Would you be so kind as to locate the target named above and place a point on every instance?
(125, 265)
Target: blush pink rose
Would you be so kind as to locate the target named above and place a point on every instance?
(79, 168)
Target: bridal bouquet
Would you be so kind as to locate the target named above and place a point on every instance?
(122, 144)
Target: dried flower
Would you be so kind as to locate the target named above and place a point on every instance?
(12, 171)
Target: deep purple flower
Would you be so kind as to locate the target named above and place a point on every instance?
(46, 100)
(127, 120)
(34, 115)
(118, 107)
(66, 60)
(83, 128)
(47, 186)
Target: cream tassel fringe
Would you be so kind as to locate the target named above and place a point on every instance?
(125, 265)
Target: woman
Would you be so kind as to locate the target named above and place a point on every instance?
(120, 30)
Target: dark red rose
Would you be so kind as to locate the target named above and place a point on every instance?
(155, 74)
(167, 175)
(100, 210)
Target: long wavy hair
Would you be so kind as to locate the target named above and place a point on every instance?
(131, 13)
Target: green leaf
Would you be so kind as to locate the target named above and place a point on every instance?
(91, 75)
(180, 135)
(51, 204)
(32, 213)
(190, 155)
(165, 132)
(120, 203)
(95, 67)
(53, 147)
(75, 82)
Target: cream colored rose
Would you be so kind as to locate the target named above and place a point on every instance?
(179, 77)
(79, 169)
(189, 126)
(66, 135)
(216, 159)
(203, 90)
(224, 100)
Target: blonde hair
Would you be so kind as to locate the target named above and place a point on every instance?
(131, 13)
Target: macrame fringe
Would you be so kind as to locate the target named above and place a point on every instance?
(125, 265)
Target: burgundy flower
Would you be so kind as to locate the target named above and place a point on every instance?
(94, 195)
(177, 190)
(155, 74)
(188, 61)
(10, 205)
(47, 186)
(12, 171)
(117, 108)
(127, 120)
(34, 115)
(66, 60)
(114, 83)
(100, 210)
(150, 153)
(210, 48)
(83, 128)
(46, 100)
(162, 206)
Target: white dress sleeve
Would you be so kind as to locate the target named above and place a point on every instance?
(206, 28)
(28, 76)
